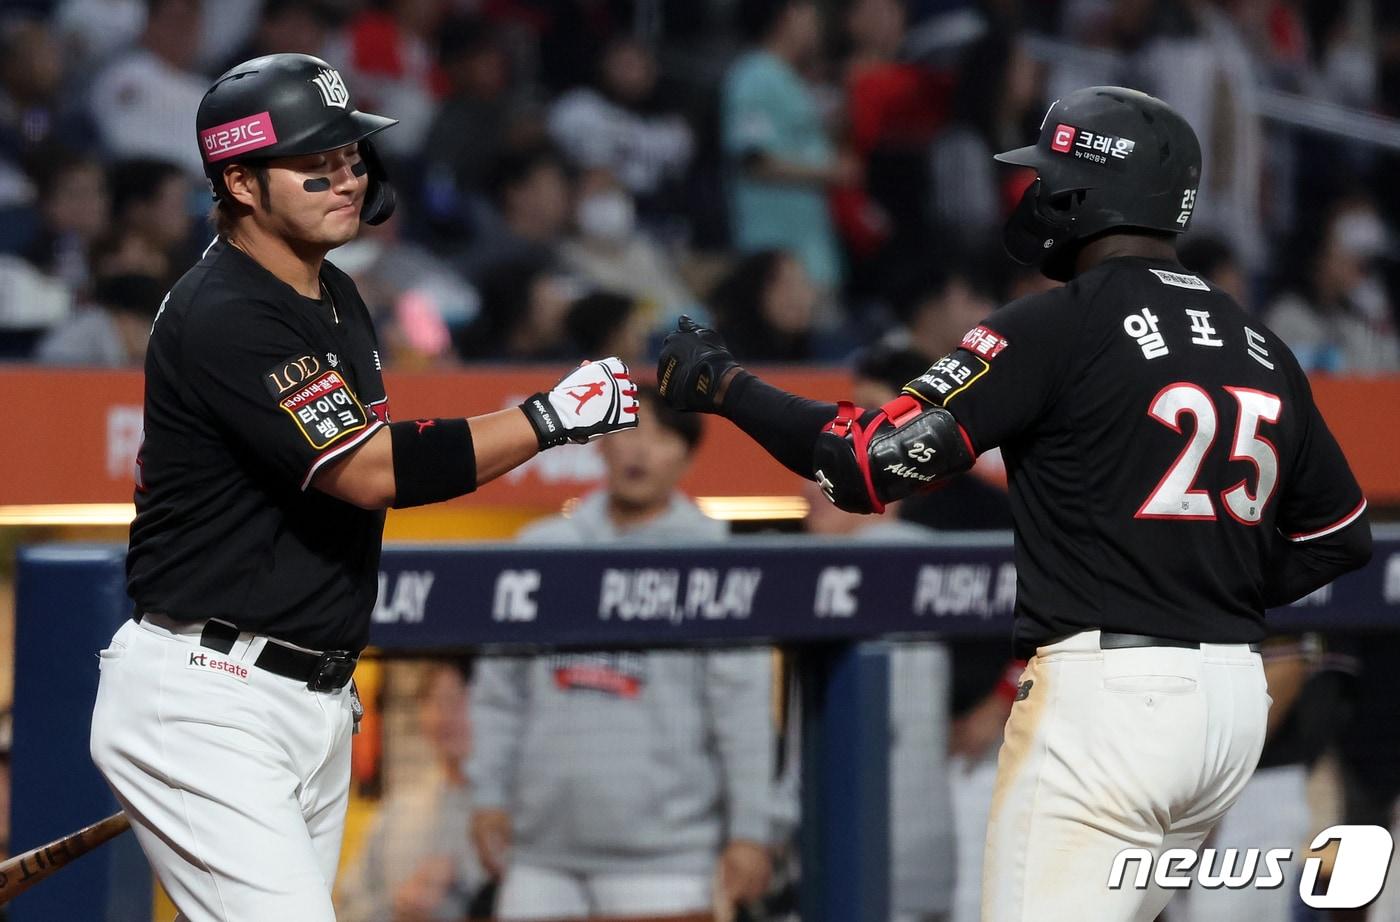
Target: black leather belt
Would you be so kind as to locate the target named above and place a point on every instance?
(326, 671)
(1108, 640)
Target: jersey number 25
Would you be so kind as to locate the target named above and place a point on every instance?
(1176, 496)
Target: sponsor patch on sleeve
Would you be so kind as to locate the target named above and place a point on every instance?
(325, 409)
(1180, 280)
(984, 342)
(948, 377)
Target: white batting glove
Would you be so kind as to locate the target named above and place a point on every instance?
(592, 400)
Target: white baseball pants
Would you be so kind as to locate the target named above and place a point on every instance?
(1144, 747)
(235, 779)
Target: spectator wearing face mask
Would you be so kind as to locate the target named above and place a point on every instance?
(609, 251)
(1340, 318)
(618, 125)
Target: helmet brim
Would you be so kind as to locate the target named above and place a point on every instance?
(1021, 156)
(357, 127)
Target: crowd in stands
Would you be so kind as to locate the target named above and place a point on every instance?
(806, 174)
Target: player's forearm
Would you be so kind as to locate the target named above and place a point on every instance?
(1296, 569)
(785, 425)
(504, 440)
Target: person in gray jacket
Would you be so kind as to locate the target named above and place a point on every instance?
(626, 782)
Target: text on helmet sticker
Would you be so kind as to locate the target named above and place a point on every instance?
(1103, 149)
(332, 87)
(237, 137)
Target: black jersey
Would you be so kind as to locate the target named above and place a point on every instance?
(250, 389)
(1158, 441)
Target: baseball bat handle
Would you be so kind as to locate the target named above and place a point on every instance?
(21, 872)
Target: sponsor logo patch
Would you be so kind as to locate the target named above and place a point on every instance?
(245, 134)
(984, 342)
(1092, 147)
(325, 409)
(1180, 280)
(204, 661)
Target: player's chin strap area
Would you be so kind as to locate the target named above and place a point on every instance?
(905, 448)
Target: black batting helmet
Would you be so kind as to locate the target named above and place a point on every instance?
(285, 105)
(1107, 157)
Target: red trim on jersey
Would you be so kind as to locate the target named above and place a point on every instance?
(338, 450)
(1341, 523)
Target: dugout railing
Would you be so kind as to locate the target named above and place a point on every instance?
(826, 600)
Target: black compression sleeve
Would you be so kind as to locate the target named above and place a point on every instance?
(785, 425)
(434, 460)
(1295, 569)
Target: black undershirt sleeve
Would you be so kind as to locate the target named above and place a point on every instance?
(785, 425)
(1297, 568)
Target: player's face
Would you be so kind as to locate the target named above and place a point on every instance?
(644, 464)
(315, 198)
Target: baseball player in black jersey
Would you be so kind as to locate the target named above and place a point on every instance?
(1170, 478)
(224, 713)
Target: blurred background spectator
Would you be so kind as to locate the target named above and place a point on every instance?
(145, 100)
(765, 307)
(417, 863)
(626, 783)
(615, 125)
(524, 301)
(608, 249)
(781, 151)
(74, 210)
(110, 331)
(531, 195)
(1339, 317)
(607, 323)
(650, 149)
(151, 200)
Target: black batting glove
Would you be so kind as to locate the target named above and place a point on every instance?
(693, 363)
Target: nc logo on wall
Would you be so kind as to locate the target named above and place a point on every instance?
(333, 91)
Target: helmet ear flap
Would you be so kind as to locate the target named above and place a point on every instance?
(1036, 228)
(380, 198)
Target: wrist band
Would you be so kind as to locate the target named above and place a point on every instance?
(434, 460)
(549, 429)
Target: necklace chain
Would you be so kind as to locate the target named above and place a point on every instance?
(330, 299)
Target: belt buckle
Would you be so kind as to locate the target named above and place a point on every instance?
(333, 669)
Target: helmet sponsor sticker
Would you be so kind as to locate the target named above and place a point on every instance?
(1064, 138)
(237, 137)
(1091, 146)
